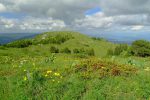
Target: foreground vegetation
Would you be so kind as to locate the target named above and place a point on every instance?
(59, 66)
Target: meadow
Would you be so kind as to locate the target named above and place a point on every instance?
(71, 66)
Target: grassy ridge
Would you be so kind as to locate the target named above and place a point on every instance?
(33, 72)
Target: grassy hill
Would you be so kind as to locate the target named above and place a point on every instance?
(76, 40)
(29, 70)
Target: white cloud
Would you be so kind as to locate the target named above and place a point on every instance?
(130, 20)
(31, 24)
(2, 8)
(7, 23)
(98, 20)
(41, 24)
(50, 14)
(137, 27)
(123, 22)
(125, 7)
(66, 10)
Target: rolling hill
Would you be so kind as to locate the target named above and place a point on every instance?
(74, 40)
(59, 66)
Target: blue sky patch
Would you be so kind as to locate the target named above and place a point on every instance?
(93, 11)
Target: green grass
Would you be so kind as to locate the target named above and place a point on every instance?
(34, 73)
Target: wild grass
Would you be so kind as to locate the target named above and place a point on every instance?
(34, 73)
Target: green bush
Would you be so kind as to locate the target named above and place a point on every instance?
(82, 51)
(140, 48)
(119, 49)
(76, 51)
(56, 39)
(98, 38)
(54, 49)
(90, 52)
(20, 43)
(110, 52)
(66, 50)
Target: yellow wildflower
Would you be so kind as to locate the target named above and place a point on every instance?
(25, 78)
(53, 80)
(49, 71)
(24, 70)
(46, 75)
(57, 74)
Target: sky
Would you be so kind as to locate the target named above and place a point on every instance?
(91, 16)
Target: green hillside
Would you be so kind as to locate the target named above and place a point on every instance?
(71, 66)
(75, 40)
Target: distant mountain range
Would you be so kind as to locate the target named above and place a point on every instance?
(122, 37)
(9, 37)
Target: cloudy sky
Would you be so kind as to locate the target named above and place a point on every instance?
(98, 16)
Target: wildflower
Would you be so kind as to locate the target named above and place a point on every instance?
(53, 80)
(25, 78)
(49, 71)
(57, 74)
(147, 69)
(24, 70)
(46, 75)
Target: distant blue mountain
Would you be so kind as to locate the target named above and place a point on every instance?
(9, 37)
(127, 38)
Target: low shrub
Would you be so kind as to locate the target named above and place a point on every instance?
(66, 50)
(119, 49)
(54, 49)
(76, 51)
(20, 43)
(90, 52)
(82, 51)
(140, 48)
(104, 68)
(98, 38)
(110, 52)
(56, 39)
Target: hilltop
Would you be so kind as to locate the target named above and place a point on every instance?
(66, 39)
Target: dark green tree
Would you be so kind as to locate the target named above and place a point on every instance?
(140, 48)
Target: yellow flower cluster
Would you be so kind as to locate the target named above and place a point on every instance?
(46, 75)
(57, 74)
(49, 71)
(25, 78)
